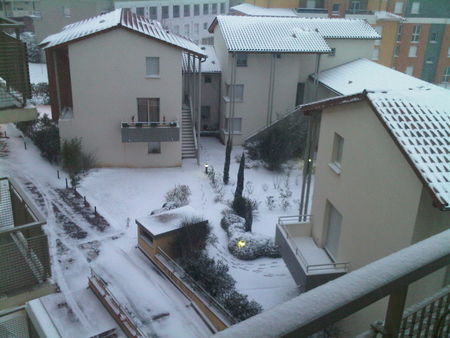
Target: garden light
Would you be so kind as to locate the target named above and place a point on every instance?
(241, 244)
(206, 168)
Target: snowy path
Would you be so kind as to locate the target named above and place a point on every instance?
(137, 284)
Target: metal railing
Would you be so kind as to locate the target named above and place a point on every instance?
(300, 220)
(194, 128)
(429, 318)
(153, 124)
(311, 10)
(201, 292)
(331, 303)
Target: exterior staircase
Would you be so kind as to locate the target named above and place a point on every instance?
(187, 134)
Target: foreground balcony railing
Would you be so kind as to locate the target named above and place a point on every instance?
(311, 10)
(150, 131)
(338, 299)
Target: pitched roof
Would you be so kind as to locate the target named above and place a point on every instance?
(289, 35)
(355, 76)
(210, 65)
(119, 18)
(252, 10)
(418, 120)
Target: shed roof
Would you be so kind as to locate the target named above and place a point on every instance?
(167, 221)
(355, 76)
(252, 10)
(418, 120)
(289, 35)
(115, 19)
(210, 65)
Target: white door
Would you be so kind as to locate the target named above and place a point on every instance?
(333, 230)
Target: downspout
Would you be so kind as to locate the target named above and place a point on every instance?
(273, 87)
(231, 95)
(58, 92)
(199, 107)
(188, 77)
(316, 77)
(269, 94)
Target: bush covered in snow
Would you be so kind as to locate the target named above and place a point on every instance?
(239, 306)
(40, 93)
(178, 196)
(33, 49)
(192, 237)
(75, 161)
(246, 245)
(45, 135)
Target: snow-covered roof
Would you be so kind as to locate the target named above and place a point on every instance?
(210, 65)
(388, 16)
(124, 19)
(290, 35)
(252, 10)
(355, 76)
(168, 221)
(418, 120)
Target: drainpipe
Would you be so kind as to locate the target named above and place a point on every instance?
(231, 94)
(188, 76)
(199, 107)
(270, 93)
(58, 92)
(316, 79)
(273, 87)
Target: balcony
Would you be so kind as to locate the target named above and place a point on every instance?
(150, 132)
(25, 262)
(310, 265)
(312, 10)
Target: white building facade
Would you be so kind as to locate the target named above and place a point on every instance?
(188, 18)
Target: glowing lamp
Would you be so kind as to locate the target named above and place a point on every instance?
(206, 168)
(241, 244)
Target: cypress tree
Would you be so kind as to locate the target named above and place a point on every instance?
(240, 178)
(226, 167)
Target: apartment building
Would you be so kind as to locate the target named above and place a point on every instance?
(18, 8)
(266, 62)
(188, 18)
(125, 106)
(380, 179)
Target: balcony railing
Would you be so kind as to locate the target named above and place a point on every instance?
(150, 131)
(340, 298)
(311, 10)
(289, 222)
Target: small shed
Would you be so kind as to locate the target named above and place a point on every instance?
(160, 230)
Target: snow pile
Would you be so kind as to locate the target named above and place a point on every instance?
(247, 245)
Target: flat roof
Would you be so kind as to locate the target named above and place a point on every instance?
(167, 221)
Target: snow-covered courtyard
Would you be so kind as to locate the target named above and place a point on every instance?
(121, 196)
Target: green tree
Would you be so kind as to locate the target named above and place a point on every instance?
(226, 167)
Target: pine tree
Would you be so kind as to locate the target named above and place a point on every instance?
(226, 167)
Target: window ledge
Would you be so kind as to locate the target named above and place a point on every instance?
(335, 167)
(152, 77)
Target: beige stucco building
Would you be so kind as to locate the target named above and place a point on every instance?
(268, 60)
(116, 83)
(380, 185)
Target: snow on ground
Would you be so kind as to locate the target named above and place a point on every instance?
(38, 72)
(121, 196)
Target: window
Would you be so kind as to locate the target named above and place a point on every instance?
(140, 11)
(206, 112)
(235, 124)
(148, 109)
(208, 79)
(196, 29)
(196, 10)
(399, 33)
(334, 224)
(429, 61)
(237, 94)
(146, 236)
(333, 52)
(214, 9)
(336, 156)
(310, 3)
(448, 52)
(415, 7)
(415, 36)
(152, 66)
(241, 60)
(409, 70)
(205, 9)
(375, 53)
(222, 8)
(433, 37)
(67, 12)
(354, 6)
(398, 7)
(176, 29)
(153, 13)
(412, 52)
(186, 30)
(154, 147)
(336, 7)
(205, 25)
(208, 41)
(446, 77)
(176, 11)
(187, 10)
(396, 50)
(164, 12)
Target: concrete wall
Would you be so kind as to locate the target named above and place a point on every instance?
(108, 75)
(377, 193)
(211, 96)
(290, 69)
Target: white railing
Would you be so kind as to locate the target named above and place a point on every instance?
(388, 276)
(153, 124)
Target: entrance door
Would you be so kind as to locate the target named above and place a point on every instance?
(333, 230)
